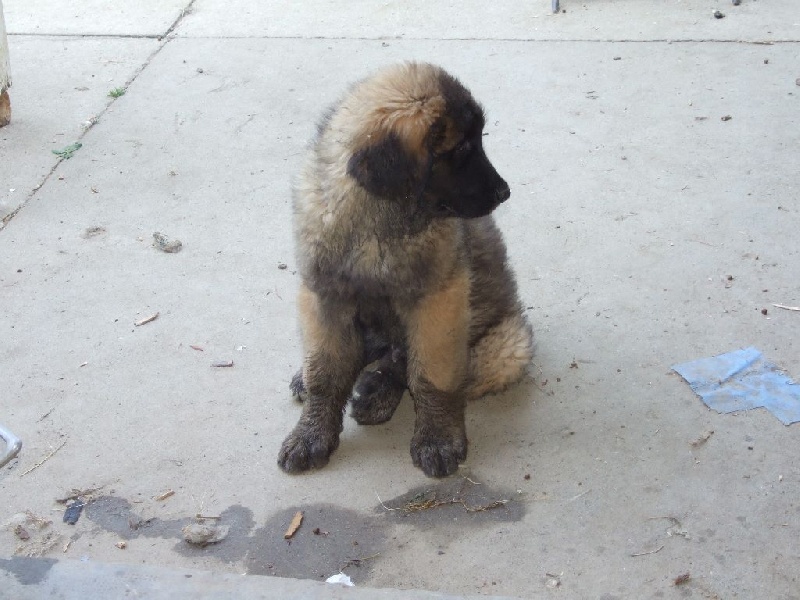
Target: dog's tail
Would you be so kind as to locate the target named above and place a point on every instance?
(500, 358)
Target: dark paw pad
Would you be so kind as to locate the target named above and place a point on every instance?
(305, 449)
(375, 398)
(438, 454)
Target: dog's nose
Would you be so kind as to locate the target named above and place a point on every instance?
(502, 193)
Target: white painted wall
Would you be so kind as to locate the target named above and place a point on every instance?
(5, 71)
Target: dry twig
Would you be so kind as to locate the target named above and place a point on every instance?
(294, 525)
(659, 549)
(578, 496)
(77, 494)
(783, 306)
(356, 562)
(146, 320)
(44, 460)
(702, 439)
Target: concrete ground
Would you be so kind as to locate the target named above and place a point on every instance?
(645, 229)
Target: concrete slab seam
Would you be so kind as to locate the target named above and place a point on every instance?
(164, 39)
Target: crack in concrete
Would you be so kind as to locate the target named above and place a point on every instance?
(344, 38)
(164, 38)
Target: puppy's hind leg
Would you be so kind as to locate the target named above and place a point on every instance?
(500, 357)
(297, 387)
(378, 391)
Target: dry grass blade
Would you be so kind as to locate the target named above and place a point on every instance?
(75, 494)
(414, 506)
(434, 503)
(383, 505)
(491, 505)
(44, 460)
(783, 306)
(356, 562)
(659, 549)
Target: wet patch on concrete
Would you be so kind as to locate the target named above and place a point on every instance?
(28, 571)
(117, 516)
(330, 538)
(460, 501)
(234, 547)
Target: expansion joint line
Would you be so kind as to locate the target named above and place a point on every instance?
(164, 39)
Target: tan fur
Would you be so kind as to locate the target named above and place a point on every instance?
(5, 109)
(399, 100)
(501, 357)
(437, 336)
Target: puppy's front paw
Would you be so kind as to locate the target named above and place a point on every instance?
(438, 452)
(307, 448)
(375, 398)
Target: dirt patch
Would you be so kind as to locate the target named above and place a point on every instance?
(461, 501)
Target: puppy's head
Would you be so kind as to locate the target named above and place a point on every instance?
(420, 135)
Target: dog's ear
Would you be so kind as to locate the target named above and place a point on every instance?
(384, 168)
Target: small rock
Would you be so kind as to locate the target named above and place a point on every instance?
(22, 533)
(121, 544)
(202, 534)
(719, 14)
(94, 231)
(552, 581)
(282, 266)
(166, 244)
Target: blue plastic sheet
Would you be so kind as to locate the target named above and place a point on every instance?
(742, 380)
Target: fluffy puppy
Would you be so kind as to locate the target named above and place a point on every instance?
(405, 281)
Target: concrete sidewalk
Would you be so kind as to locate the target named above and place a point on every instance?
(645, 231)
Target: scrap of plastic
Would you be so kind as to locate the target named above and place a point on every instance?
(340, 578)
(73, 512)
(741, 380)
